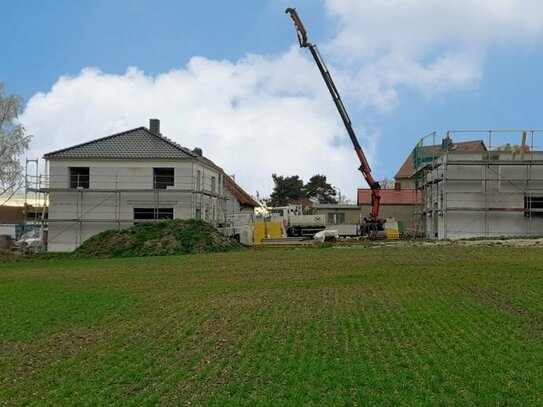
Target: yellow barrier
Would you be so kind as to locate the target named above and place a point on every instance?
(392, 234)
(259, 230)
(263, 230)
(275, 231)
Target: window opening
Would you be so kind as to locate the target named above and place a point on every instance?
(533, 206)
(213, 186)
(198, 180)
(79, 177)
(163, 177)
(336, 218)
(153, 213)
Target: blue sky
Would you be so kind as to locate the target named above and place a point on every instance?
(44, 40)
(255, 102)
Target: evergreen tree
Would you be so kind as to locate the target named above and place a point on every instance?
(286, 189)
(320, 191)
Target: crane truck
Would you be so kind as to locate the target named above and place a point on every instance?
(372, 225)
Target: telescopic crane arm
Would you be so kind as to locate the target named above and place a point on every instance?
(364, 166)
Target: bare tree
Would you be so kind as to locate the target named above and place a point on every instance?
(13, 143)
(387, 183)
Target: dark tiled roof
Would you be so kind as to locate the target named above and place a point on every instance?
(407, 169)
(130, 144)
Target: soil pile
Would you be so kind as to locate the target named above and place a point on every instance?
(163, 238)
(7, 246)
(8, 250)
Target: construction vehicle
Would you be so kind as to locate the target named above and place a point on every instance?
(295, 223)
(372, 225)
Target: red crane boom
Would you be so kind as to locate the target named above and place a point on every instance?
(373, 223)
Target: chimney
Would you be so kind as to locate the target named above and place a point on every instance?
(154, 126)
(197, 151)
(446, 143)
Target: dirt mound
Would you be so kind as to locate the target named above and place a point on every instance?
(163, 238)
(7, 246)
(8, 250)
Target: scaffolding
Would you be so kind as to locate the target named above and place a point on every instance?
(108, 203)
(480, 184)
(35, 203)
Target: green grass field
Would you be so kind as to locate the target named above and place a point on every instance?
(310, 327)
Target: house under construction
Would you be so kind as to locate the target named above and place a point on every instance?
(489, 186)
(131, 177)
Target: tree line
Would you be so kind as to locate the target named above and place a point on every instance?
(293, 189)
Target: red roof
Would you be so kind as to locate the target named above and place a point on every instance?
(11, 214)
(390, 197)
(242, 196)
(407, 170)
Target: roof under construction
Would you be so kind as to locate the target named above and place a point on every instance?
(408, 169)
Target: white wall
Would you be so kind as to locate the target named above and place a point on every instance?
(116, 188)
(7, 230)
(476, 200)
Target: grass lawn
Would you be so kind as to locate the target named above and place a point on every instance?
(322, 327)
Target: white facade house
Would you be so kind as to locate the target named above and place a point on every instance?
(130, 177)
(488, 192)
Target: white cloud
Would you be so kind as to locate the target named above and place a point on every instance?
(432, 46)
(251, 117)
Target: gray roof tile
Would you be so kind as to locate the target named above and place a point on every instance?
(130, 144)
